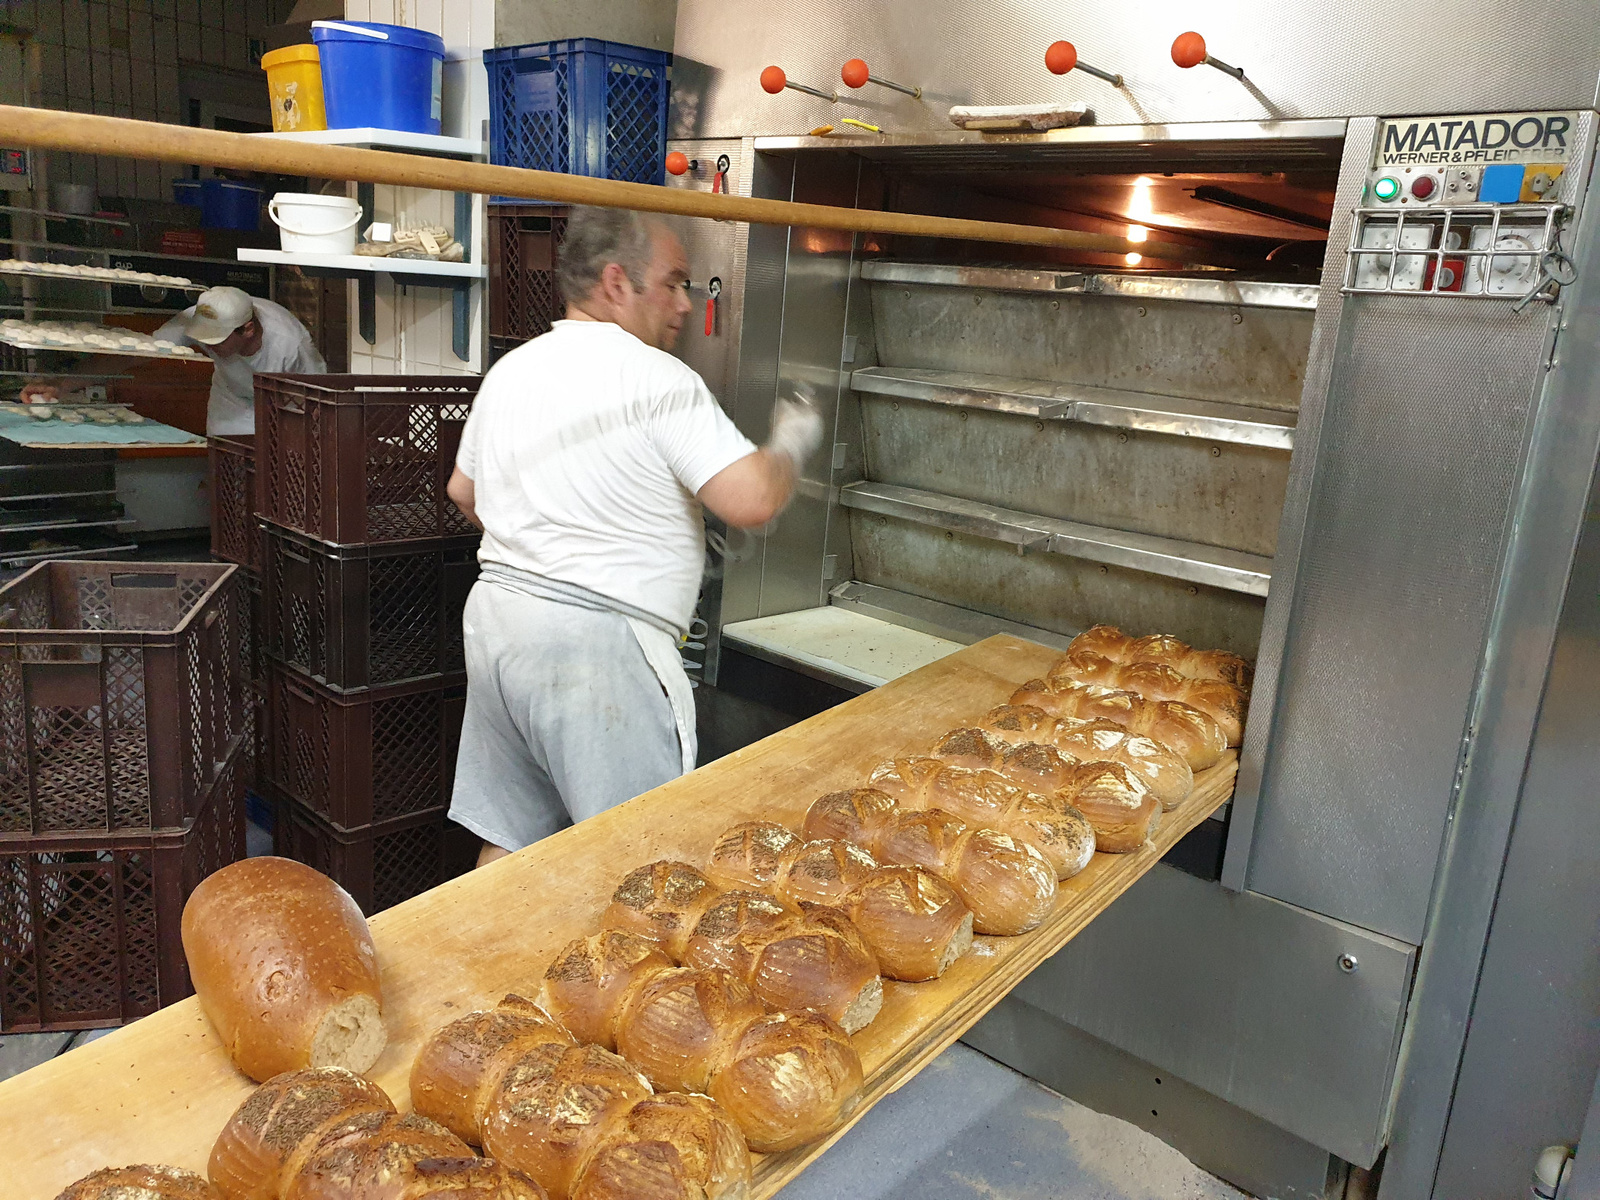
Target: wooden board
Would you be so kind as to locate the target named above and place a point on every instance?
(161, 1089)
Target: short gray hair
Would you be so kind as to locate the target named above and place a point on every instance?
(598, 236)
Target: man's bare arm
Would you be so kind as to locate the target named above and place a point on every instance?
(750, 491)
(461, 490)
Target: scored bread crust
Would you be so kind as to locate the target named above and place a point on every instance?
(915, 922)
(1006, 882)
(858, 815)
(821, 871)
(662, 902)
(792, 1077)
(674, 1146)
(1110, 642)
(285, 968)
(282, 1122)
(585, 984)
(1222, 702)
(1165, 772)
(458, 1068)
(140, 1181)
(1186, 730)
(1123, 811)
(551, 1108)
(677, 1026)
(749, 855)
(735, 928)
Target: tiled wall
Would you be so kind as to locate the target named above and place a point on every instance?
(414, 325)
(124, 58)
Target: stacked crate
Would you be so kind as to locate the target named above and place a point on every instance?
(236, 537)
(122, 748)
(366, 566)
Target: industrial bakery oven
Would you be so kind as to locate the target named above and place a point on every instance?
(1363, 463)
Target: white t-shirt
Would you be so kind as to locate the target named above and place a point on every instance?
(586, 448)
(286, 348)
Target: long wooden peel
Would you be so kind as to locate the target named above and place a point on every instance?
(85, 133)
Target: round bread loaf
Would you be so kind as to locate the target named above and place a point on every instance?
(670, 1147)
(1166, 773)
(969, 747)
(791, 1078)
(1040, 768)
(1185, 730)
(459, 1067)
(661, 902)
(552, 1108)
(822, 871)
(677, 1025)
(1006, 883)
(915, 922)
(923, 839)
(859, 815)
(144, 1181)
(823, 965)
(1116, 803)
(405, 1157)
(1056, 829)
(1222, 702)
(285, 968)
(585, 984)
(735, 928)
(747, 856)
(282, 1122)
(1184, 658)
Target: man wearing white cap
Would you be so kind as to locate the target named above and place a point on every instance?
(243, 335)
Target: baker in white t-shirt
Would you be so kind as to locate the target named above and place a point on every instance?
(586, 460)
(243, 335)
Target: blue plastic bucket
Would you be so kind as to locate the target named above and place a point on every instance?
(228, 204)
(186, 191)
(380, 76)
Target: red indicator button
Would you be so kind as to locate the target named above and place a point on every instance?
(1422, 186)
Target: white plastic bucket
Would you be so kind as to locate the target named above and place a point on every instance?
(312, 224)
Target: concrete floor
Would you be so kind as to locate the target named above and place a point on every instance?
(968, 1128)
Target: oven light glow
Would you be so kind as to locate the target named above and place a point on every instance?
(1139, 208)
(1132, 259)
(1138, 233)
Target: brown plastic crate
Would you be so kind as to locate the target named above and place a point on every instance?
(235, 532)
(354, 617)
(121, 691)
(524, 297)
(89, 923)
(379, 865)
(371, 756)
(360, 459)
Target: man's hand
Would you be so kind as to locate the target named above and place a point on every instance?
(796, 427)
(40, 393)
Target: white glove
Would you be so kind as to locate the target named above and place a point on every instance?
(796, 427)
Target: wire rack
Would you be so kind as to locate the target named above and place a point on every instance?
(1507, 252)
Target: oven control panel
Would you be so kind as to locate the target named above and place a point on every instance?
(1465, 205)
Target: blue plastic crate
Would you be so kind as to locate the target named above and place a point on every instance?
(580, 106)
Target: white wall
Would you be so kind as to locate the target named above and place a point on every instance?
(414, 328)
(636, 22)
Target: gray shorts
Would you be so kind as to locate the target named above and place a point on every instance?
(565, 718)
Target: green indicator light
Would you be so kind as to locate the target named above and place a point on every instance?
(1386, 188)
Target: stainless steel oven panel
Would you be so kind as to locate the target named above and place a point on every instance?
(1320, 59)
(1411, 483)
(1223, 353)
(1051, 591)
(1195, 489)
(1245, 997)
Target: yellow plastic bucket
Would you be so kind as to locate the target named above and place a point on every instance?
(294, 81)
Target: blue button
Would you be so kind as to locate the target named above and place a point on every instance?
(1501, 184)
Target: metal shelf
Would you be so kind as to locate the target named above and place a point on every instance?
(1230, 570)
(1043, 400)
(407, 270)
(118, 250)
(35, 270)
(934, 617)
(432, 144)
(1240, 293)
